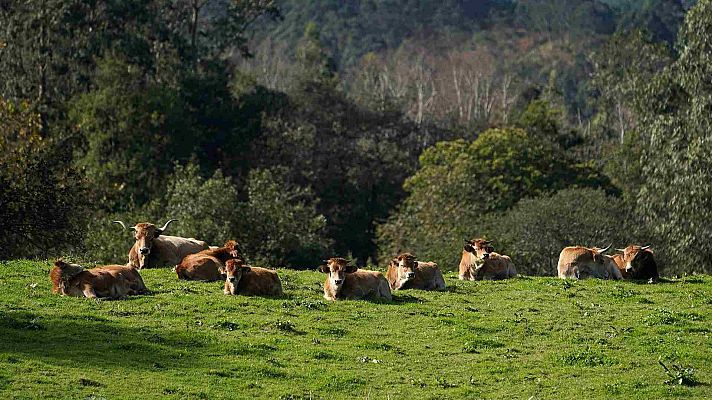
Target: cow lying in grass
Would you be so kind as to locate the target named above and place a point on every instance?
(348, 282)
(578, 262)
(250, 281)
(208, 265)
(154, 249)
(405, 272)
(479, 261)
(637, 262)
(109, 281)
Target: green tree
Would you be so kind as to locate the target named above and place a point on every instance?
(42, 199)
(675, 197)
(460, 183)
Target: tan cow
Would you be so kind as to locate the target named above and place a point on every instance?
(208, 265)
(250, 281)
(479, 261)
(109, 281)
(578, 262)
(153, 249)
(405, 272)
(346, 281)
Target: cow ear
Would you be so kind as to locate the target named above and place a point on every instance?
(324, 269)
(468, 248)
(350, 269)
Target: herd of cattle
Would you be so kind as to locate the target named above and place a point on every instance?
(195, 260)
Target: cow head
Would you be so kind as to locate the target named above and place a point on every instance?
(337, 268)
(633, 258)
(144, 233)
(233, 247)
(480, 248)
(234, 270)
(405, 265)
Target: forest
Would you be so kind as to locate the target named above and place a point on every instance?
(310, 129)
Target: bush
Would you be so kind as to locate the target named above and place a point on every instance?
(279, 225)
(535, 230)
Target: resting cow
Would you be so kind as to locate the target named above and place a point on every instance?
(638, 262)
(578, 262)
(479, 261)
(153, 249)
(109, 281)
(208, 265)
(348, 282)
(250, 281)
(405, 272)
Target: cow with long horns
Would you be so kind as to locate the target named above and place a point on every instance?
(153, 249)
(578, 262)
(637, 262)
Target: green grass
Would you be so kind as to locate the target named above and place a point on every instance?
(538, 337)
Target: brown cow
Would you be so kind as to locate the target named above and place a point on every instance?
(578, 262)
(109, 281)
(154, 250)
(208, 265)
(250, 281)
(405, 272)
(348, 282)
(638, 262)
(479, 261)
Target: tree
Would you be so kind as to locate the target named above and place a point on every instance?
(675, 197)
(42, 199)
(460, 183)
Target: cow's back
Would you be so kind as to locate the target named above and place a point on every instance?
(363, 284)
(200, 267)
(428, 277)
(571, 261)
(168, 251)
(260, 282)
(131, 275)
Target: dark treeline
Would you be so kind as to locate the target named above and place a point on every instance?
(307, 129)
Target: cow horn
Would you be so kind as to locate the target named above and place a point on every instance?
(645, 247)
(621, 250)
(163, 228)
(606, 249)
(123, 224)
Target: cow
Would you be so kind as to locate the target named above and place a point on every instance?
(109, 281)
(153, 249)
(208, 265)
(479, 261)
(250, 281)
(405, 272)
(578, 262)
(346, 281)
(637, 262)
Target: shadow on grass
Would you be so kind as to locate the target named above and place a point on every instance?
(93, 341)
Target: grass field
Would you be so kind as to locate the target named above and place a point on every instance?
(525, 338)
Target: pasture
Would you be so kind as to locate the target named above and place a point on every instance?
(539, 338)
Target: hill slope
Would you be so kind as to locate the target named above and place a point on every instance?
(538, 337)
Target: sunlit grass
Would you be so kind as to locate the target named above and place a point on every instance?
(526, 337)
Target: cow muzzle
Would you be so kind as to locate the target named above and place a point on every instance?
(410, 275)
(485, 256)
(231, 279)
(338, 281)
(144, 251)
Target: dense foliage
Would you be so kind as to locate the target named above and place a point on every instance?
(358, 127)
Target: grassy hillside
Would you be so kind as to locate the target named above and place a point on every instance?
(526, 338)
